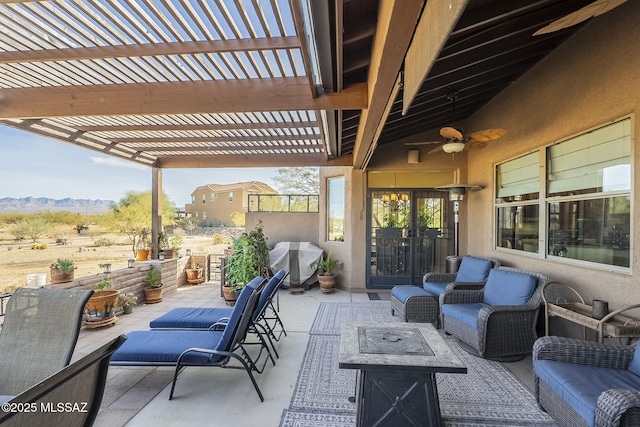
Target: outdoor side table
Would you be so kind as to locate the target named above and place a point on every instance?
(397, 363)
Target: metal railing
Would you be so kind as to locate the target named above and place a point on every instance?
(284, 203)
(3, 305)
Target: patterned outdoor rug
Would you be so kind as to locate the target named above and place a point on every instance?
(488, 395)
(332, 315)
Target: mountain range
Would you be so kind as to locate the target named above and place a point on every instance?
(37, 204)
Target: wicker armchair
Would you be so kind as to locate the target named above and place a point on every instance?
(420, 304)
(582, 383)
(499, 320)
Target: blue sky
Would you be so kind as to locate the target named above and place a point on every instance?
(41, 167)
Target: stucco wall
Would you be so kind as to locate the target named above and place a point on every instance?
(590, 80)
(285, 226)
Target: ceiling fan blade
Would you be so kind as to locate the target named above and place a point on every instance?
(435, 150)
(594, 9)
(423, 143)
(487, 135)
(450, 133)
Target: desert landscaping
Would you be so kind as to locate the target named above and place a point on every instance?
(18, 259)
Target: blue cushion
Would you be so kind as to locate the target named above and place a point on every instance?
(402, 293)
(434, 288)
(164, 347)
(635, 363)
(580, 385)
(190, 318)
(268, 291)
(465, 313)
(508, 288)
(473, 269)
(238, 308)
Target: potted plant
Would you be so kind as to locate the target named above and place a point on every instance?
(327, 277)
(249, 258)
(143, 245)
(62, 270)
(163, 245)
(153, 286)
(194, 274)
(101, 306)
(170, 246)
(127, 302)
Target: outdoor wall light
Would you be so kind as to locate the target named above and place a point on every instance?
(106, 268)
(131, 262)
(161, 256)
(188, 252)
(413, 156)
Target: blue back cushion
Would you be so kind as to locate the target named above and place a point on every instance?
(236, 314)
(268, 292)
(635, 363)
(508, 288)
(473, 269)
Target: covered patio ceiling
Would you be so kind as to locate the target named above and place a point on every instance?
(233, 83)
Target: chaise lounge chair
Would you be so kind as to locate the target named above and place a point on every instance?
(78, 387)
(39, 334)
(182, 348)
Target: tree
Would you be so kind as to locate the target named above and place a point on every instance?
(298, 180)
(132, 215)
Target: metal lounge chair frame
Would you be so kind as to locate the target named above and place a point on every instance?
(39, 335)
(204, 348)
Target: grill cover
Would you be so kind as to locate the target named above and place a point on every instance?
(299, 259)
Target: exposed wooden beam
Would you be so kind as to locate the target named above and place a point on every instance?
(200, 97)
(260, 148)
(252, 160)
(150, 49)
(198, 127)
(213, 139)
(436, 23)
(396, 22)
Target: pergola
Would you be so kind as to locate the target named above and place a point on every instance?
(237, 83)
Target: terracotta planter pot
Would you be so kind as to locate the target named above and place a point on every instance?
(229, 295)
(142, 254)
(152, 295)
(194, 275)
(327, 283)
(58, 277)
(168, 253)
(102, 305)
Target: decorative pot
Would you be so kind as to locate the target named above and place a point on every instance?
(194, 275)
(327, 283)
(229, 294)
(142, 254)
(101, 306)
(152, 295)
(168, 253)
(127, 310)
(58, 277)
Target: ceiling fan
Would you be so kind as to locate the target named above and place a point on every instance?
(596, 8)
(453, 140)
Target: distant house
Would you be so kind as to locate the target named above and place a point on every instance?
(216, 203)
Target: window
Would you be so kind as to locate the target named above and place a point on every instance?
(213, 197)
(589, 196)
(230, 196)
(335, 209)
(204, 199)
(517, 194)
(587, 200)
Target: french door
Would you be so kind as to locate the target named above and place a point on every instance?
(409, 234)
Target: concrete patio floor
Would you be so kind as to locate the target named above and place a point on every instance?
(138, 396)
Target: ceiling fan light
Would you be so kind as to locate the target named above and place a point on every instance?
(453, 147)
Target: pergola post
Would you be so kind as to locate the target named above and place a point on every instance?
(156, 210)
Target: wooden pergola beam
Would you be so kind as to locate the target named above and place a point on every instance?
(226, 96)
(197, 127)
(257, 148)
(252, 160)
(211, 139)
(150, 49)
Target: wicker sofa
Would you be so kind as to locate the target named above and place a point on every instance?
(583, 383)
(499, 320)
(421, 304)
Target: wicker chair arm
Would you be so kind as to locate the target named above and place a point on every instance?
(504, 312)
(466, 285)
(439, 277)
(461, 296)
(582, 352)
(613, 403)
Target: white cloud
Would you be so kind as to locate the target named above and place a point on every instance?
(112, 161)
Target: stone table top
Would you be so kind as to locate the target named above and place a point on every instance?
(398, 346)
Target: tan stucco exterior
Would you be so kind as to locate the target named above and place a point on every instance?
(590, 80)
(216, 203)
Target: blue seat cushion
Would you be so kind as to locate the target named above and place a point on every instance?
(473, 269)
(434, 288)
(635, 363)
(190, 318)
(164, 347)
(465, 313)
(508, 288)
(402, 293)
(579, 385)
